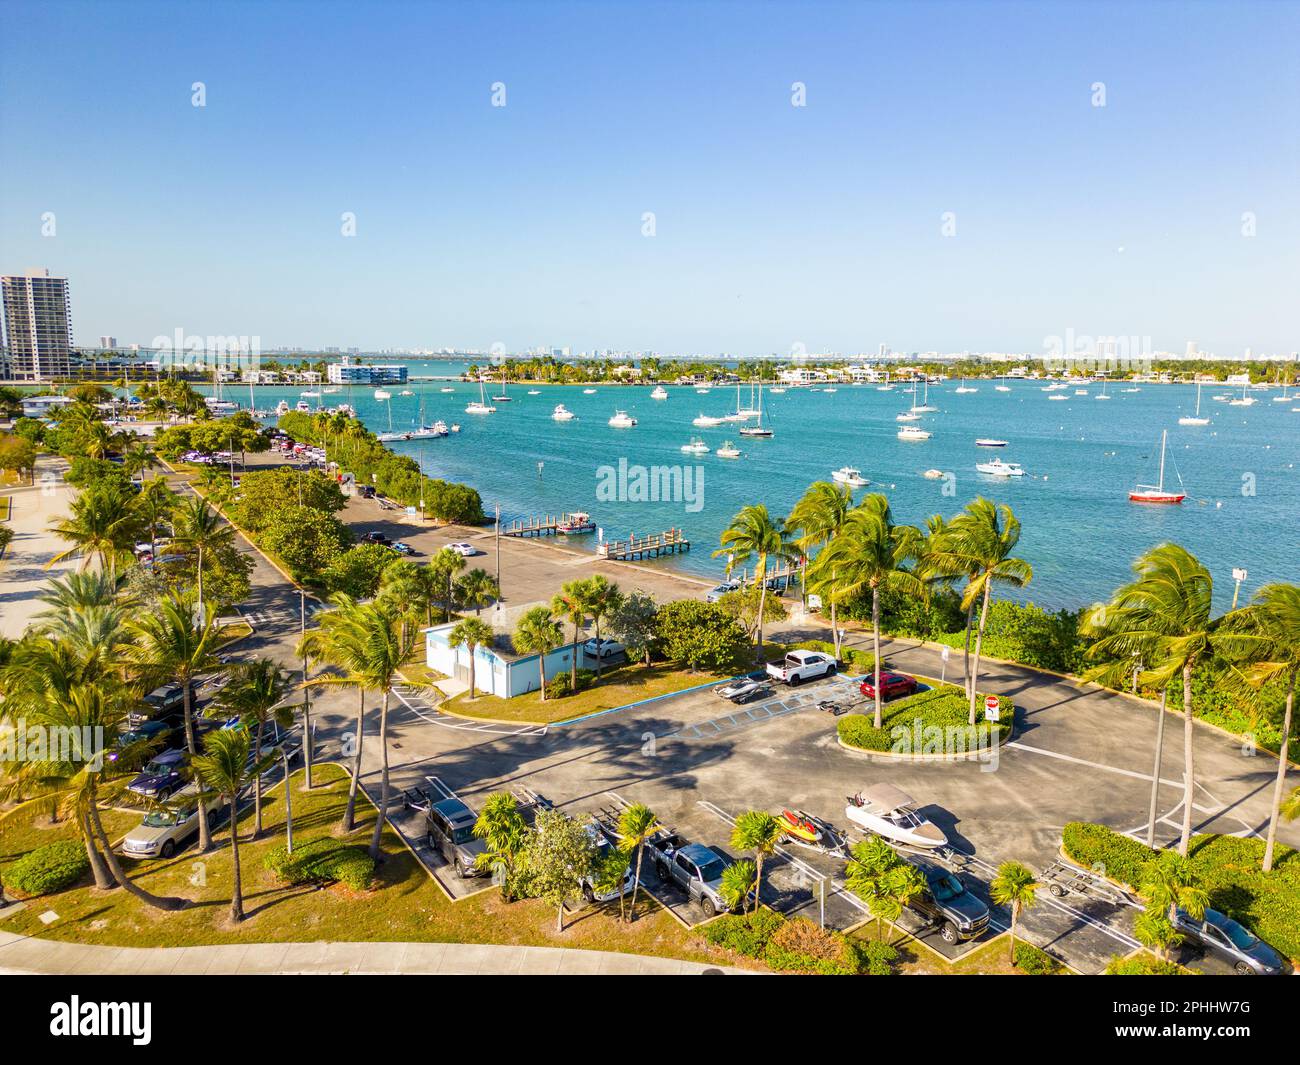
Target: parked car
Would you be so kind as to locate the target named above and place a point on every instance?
(744, 690)
(162, 774)
(693, 867)
(147, 732)
(720, 590)
(168, 829)
(946, 902)
(892, 685)
(449, 829)
(464, 550)
(799, 666)
(1221, 936)
(604, 847)
(160, 704)
(402, 547)
(375, 537)
(603, 648)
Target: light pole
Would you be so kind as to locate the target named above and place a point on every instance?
(498, 538)
(1238, 575)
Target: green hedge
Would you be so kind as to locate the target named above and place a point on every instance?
(798, 945)
(1036, 962)
(48, 869)
(1144, 965)
(1227, 868)
(939, 708)
(321, 861)
(855, 661)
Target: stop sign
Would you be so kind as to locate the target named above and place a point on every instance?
(991, 707)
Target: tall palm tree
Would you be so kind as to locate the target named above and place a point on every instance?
(177, 642)
(636, 825)
(936, 566)
(819, 517)
(603, 600)
(537, 633)
(411, 588)
(472, 634)
(477, 589)
(202, 530)
(1015, 888)
(572, 604)
(757, 831)
(1266, 636)
(870, 554)
(256, 695)
(1165, 615)
(884, 880)
(225, 769)
(753, 534)
(504, 832)
(444, 566)
(1170, 884)
(102, 524)
(737, 885)
(155, 504)
(980, 541)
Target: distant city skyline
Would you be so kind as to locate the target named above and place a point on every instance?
(710, 180)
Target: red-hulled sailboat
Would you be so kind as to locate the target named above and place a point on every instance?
(1155, 493)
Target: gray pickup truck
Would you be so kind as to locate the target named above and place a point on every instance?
(693, 867)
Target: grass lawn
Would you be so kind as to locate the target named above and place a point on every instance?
(235, 632)
(617, 687)
(27, 827)
(404, 905)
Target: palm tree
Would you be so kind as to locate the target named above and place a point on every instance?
(936, 566)
(537, 633)
(154, 504)
(738, 881)
(1270, 645)
(201, 529)
(256, 695)
(1154, 930)
(1169, 884)
(757, 831)
(444, 566)
(504, 832)
(753, 534)
(636, 824)
(1016, 888)
(411, 588)
(472, 634)
(870, 554)
(1290, 808)
(102, 525)
(980, 541)
(571, 603)
(225, 769)
(603, 600)
(177, 642)
(878, 875)
(477, 589)
(819, 516)
(1165, 616)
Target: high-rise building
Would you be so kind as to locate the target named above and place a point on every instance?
(108, 343)
(38, 325)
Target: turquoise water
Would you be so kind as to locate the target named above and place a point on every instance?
(1080, 532)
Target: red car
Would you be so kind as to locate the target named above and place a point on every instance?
(892, 685)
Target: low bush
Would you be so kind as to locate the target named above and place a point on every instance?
(797, 945)
(1143, 965)
(745, 934)
(1030, 959)
(929, 722)
(48, 869)
(561, 684)
(322, 861)
(875, 958)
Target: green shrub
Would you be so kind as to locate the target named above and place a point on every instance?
(1102, 849)
(745, 934)
(1143, 965)
(48, 869)
(943, 708)
(1030, 959)
(322, 861)
(875, 958)
(851, 659)
(802, 947)
(700, 636)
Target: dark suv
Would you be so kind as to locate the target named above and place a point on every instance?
(946, 902)
(449, 828)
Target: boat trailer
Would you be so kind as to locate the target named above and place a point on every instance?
(1062, 878)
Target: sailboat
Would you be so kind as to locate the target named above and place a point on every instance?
(962, 389)
(480, 406)
(1283, 398)
(925, 407)
(1103, 392)
(1245, 401)
(746, 412)
(1155, 493)
(504, 397)
(758, 429)
(1197, 419)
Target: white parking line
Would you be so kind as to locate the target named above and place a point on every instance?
(418, 706)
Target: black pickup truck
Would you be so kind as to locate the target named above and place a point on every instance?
(946, 902)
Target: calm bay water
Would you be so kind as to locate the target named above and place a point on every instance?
(1080, 532)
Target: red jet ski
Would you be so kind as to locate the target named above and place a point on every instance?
(801, 826)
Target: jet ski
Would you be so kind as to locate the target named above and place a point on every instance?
(800, 826)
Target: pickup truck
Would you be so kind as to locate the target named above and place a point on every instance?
(945, 902)
(800, 666)
(693, 867)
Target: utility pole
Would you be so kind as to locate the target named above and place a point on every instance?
(1238, 575)
(498, 538)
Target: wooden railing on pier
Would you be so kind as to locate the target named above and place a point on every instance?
(638, 547)
(537, 526)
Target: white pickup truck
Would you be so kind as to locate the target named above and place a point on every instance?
(800, 666)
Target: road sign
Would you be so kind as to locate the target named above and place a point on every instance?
(944, 652)
(1238, 574)
(992, 709)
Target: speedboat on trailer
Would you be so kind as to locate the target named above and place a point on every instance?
(888, 811)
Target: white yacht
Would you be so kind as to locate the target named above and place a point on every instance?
(588, 391)
(1058, 396)
(380, 395)
(282, 408)
(907, 416)
(1245, 401)
(998, 468)
(659, 392)
(1001, 388)
(695, 447)
(562, 413)
(480, 405)
(851, 476)
(622, 420)
(446, 390)
(728, 450)
(534, 392)
(302, 407)
(913, 432)
(1195, 419)
(777, 391)
(707, 421)
(986, 441)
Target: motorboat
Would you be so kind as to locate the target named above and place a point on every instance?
(622, 420)
(1001, 388)
(380, 395)
(887, 810)
(455, 427)
(406, 392)
(777, 391)
(828, 389)
(302, 407)
(1195, 419)
(577, 522)
(913, 432)
(310, 394)
(562, 413)
(588, 391)
(446, 390)
(707, 421)
(988, 442)
(932, 475)
(659, 392)
(534, 392)
(851, 476)
(1156, 493)
(1080, 391)
(728, 450)
(908, 416)
(998, 468)
(282, 408)
(695, 447)
(703, 391)
(1058, 396)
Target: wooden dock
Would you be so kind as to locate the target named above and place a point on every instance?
(638, 547)
(540, 526)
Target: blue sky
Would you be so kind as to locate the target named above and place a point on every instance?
(776, 226)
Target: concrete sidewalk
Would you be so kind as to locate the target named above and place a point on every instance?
(23, 955)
